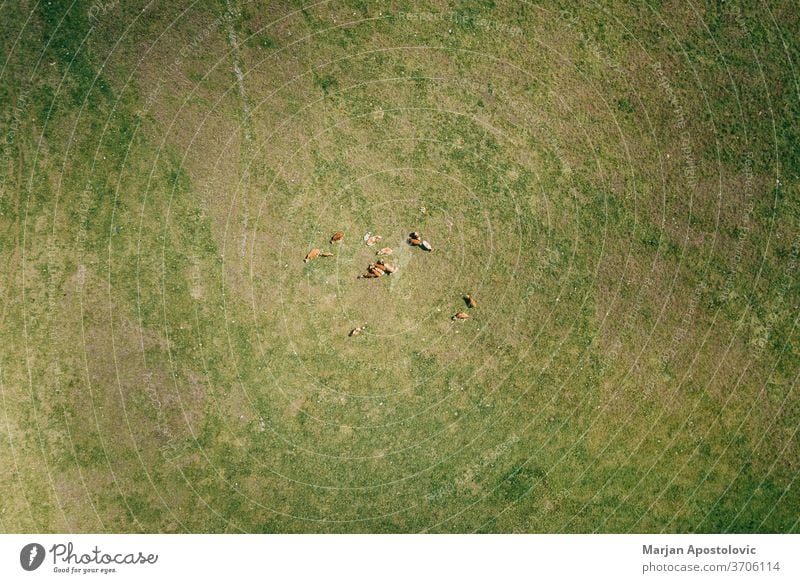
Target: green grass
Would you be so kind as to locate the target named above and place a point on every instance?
(606, 191)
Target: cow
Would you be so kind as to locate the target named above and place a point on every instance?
(470, 301)
(425, 246)
(384, 251)
(461, 316)
(373, 239)
(325, 254)
(337, 236)
(313, 254)
(357, 330)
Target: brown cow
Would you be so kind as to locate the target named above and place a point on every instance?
(313, 254)
(337, 236)
(414, 242)
(470, 301)
(384, 251)
(461, 316)
(325, 254)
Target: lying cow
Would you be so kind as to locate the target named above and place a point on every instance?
(357, 330)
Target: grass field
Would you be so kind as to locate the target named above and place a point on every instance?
(615, 183)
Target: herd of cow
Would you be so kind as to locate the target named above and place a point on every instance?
(382, 266)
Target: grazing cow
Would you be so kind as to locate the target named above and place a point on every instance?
(376, 269)
(367, 275)
(313, 254)
(373, 239)
(389, 269)
(337, 236)
(385, 251)
(414, 242)
(425, 246)
(470, 301)
(325, 254)
(461, 316)
(357, 330)
(414, 235)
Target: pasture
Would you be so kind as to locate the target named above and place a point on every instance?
(616, 185)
